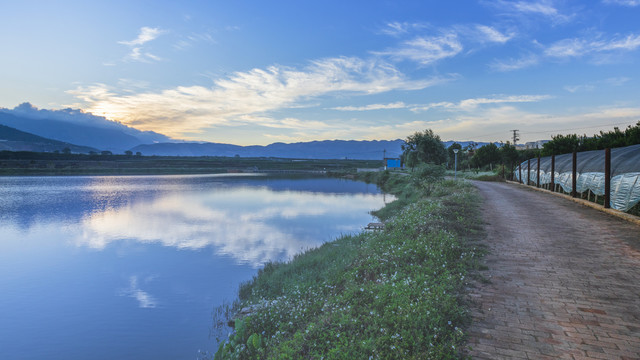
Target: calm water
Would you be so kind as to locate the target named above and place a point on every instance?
(131, 267)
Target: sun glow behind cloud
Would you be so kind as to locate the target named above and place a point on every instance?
(247, 97)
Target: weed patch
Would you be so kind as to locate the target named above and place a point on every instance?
(391, 294)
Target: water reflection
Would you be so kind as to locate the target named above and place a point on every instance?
(253, 225)
(130, 267)
(145, 300)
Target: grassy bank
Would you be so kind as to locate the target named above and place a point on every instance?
(396, 293)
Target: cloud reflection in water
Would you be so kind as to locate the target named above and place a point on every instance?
(145, 300)
(252, 224)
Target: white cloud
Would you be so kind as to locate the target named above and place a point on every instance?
(245, 96)
(395, 105)
(426, 50)
(601, 51)
(137, 54)
(579, 88)
(543, 8)
(580, 47)
(515, 64)
(617, 81)
(492, 35)
(400, 28)
(630, 3)
(146, 34)
(472, 104)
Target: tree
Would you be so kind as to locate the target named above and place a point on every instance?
(509, 154)
(128, 152)
(424, 147)
(486, 155)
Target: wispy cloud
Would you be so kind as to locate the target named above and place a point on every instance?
(192, 39)
(401, 28)
(578, 47)
(472, 104)
(137, 54)
(146, 34)
(630, 3)
(246, 96)
(490, 34)
(426, 50)
(616, 81)
(542, 8)
(515, 64)
(598, 48)
(395, 105)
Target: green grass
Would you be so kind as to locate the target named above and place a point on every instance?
(392, 294)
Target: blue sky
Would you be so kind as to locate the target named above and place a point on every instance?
(258, 72)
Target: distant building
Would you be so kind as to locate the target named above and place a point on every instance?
(392, 163)
(535, 144)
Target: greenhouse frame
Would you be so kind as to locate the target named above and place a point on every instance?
(590, 173)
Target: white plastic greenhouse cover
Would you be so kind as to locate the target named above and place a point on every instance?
(625, 174)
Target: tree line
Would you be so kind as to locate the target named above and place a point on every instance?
(427, 148)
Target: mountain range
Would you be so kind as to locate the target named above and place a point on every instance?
(26, 128)
(15, 140)
(77, 127)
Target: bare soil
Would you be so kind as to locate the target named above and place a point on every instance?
(563, 280)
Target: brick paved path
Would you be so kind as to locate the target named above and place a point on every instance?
(564, 280)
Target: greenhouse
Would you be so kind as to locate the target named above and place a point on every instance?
(590, 174)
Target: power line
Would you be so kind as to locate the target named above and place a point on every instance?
(571, 129)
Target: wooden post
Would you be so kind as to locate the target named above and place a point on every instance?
(553, 173)
(528, 170)
(538, 174)
(574, 171)
(520, 172)
(607, 178)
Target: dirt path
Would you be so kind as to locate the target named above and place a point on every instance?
(564, 280)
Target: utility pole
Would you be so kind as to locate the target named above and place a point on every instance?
(515, 136)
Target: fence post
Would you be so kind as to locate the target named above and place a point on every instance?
(520, 173)
(574, 171)
(553, 174)
(528, 171)
(607, 178)
(538, 173)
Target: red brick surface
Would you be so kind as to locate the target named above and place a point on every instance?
(563, 280)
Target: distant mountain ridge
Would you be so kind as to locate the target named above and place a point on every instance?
(15, 140)
(77, 127)
(328, 149)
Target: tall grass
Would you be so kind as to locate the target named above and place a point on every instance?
(391, 294)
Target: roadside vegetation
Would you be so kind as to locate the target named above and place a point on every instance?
(396, 293)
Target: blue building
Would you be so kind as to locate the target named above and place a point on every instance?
(392, 163)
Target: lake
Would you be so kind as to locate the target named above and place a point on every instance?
(131, 267)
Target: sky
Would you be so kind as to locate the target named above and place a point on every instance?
(258, 72)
